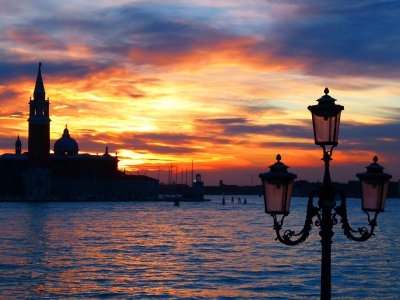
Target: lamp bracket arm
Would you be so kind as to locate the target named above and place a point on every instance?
(328, 153)
(290, 237)
(360, 234)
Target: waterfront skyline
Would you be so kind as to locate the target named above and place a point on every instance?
(224, 84)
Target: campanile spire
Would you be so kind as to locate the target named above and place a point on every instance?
(39, 122)
(39, 92)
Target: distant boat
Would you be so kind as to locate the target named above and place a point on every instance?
(181, 198)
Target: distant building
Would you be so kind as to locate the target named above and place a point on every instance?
(198, 188)
(66, 174)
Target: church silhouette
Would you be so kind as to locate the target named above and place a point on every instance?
(65, 174)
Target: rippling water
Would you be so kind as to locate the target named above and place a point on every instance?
(198, 250)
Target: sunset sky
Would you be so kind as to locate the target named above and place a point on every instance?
(223, 83)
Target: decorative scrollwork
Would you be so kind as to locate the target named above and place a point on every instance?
(288, 234)
(318, 221)
(334, 219)
(363, 233)
(290, 237)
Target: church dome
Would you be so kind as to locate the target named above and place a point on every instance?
(66, 145)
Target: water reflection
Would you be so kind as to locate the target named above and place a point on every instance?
(143, 250)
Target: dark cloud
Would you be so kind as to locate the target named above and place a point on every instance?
(356, 131)
(253, 109)
(9, 102)
(34, 38)
(353, 136)
(376, 137)
(74, 69)
(162, 143)
(146, 28)
(335, 37)
(10, 94)
(328, 38)
(117, 32)
(177, 138)
(224, 121)
(279, 130)
(12, 71)
(9, 71)
(173, 142)
(290, 145)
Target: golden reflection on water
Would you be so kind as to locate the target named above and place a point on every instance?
(142, 250)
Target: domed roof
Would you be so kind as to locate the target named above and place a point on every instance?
(66, 145)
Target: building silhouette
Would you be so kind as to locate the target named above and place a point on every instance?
(65, 174)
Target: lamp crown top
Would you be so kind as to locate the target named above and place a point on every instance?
(375, 167)
(278, 171)
(374, 172)
(326, 106)
(279, 166)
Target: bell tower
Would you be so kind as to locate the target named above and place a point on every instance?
(18, 146)
(39, 123)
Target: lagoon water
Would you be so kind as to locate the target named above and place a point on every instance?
(134, 250)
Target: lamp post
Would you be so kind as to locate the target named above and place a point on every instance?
(278, 183)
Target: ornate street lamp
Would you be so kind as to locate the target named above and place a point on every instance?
(326, 119)
(375, 185)
(278, 182)
(278, 187)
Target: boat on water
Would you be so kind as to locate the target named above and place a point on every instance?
(182, 198)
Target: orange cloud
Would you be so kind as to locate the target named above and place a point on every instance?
(225, 53)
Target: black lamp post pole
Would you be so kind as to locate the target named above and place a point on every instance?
(326, 203)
